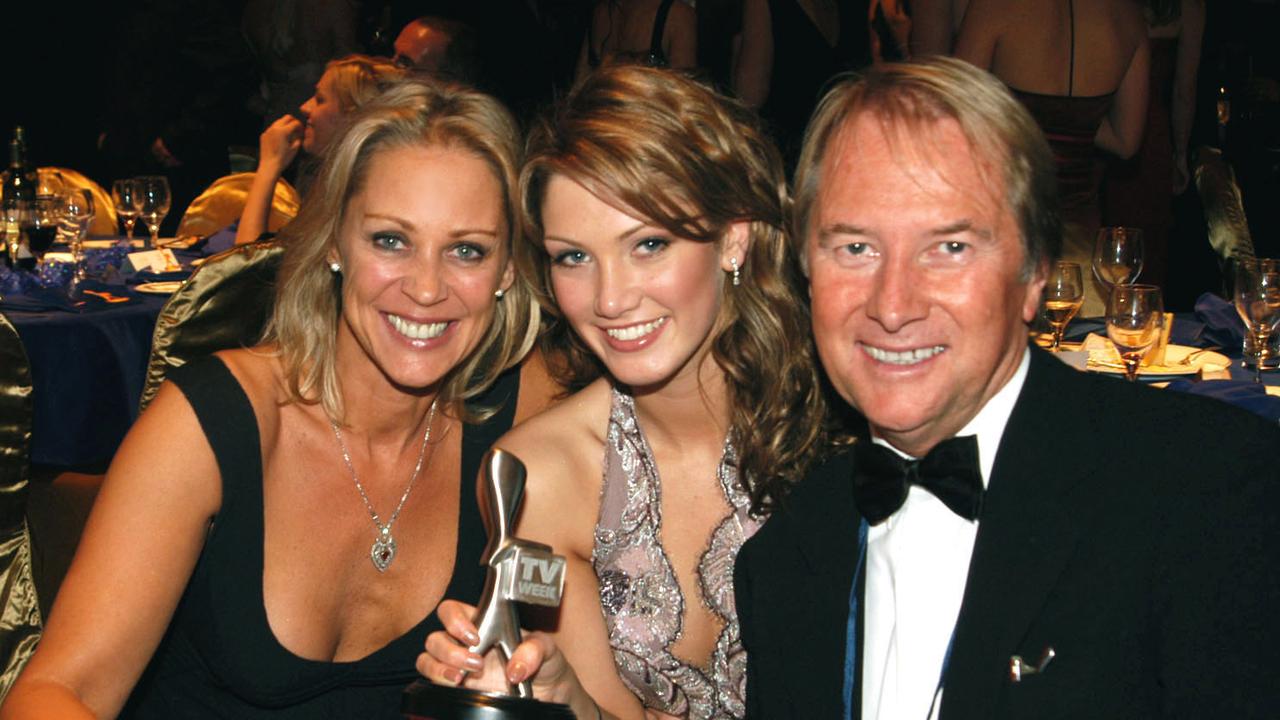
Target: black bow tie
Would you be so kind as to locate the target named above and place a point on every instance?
(950, 471)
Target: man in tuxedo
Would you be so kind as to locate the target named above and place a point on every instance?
(1016, 538)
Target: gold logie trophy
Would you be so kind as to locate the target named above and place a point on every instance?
(519, 571)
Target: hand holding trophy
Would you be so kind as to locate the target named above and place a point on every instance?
(519, 571)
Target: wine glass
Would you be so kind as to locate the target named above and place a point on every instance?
(1257, 299)
(1117, 256)
(153, 202)
(1063, 296)
(1135, 317)
(75, 215)
(124, 197)
(44, 225)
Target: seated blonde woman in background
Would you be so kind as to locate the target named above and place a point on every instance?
(347, 83)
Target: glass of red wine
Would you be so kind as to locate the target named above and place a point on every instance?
(43, 227)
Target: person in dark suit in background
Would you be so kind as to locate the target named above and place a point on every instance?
(1016, 538)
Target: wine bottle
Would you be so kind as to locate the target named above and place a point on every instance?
(19, 193)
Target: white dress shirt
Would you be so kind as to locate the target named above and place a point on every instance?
(917, 564)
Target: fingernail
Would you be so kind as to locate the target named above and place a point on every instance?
(475, 662)
(517, 673)
(454, 676)
(471, 637)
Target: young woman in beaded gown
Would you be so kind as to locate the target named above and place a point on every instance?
(656, 211)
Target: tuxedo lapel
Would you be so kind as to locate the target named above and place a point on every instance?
(1025, 536)
(827, 543)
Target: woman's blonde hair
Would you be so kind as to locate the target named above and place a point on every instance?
(413, 112)
(684, 157)
(357, 79)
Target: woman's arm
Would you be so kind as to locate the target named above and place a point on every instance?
(135, 558)
(752, 64)
(1121, 130)
(681, 33)
(277, 147)
(1183, 107)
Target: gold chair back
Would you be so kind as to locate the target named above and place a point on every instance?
(224, 304)
(20, 621)
(1223, 207)
(104, 210)
(223, 201)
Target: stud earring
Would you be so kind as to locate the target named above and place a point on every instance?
(737, 277)
(335, 267)
(499, 293)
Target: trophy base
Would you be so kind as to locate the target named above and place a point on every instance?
(424, 700)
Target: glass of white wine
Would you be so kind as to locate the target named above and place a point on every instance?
(1063, 296)
(153, 202)
(75, 214)
(1257, 300)
(124, 197)
(1135, 318)
(1117, 256)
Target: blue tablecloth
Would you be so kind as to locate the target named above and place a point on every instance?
(1214, 323)
(88, 363)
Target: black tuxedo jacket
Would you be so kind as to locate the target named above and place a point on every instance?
(1135, 531)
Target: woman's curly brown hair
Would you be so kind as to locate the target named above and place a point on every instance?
(675, 152)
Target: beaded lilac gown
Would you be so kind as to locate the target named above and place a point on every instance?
(642, 601)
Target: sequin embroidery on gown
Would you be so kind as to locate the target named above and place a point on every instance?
(642, 602)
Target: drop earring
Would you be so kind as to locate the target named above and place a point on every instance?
(335, 267)
(499, 293)
(737, 277)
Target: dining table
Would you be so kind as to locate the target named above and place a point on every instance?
(88, 348)
(1204, 357)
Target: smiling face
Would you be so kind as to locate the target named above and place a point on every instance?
(422, 248)
(323, 115)
(914, 262)
(643, 300)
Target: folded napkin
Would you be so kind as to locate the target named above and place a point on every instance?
(146, 276)
(1241, 393)
(37, 300)
(1186, 331)
(1222, 324)
(89, 296)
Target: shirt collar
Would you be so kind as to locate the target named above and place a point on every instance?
(988, 425)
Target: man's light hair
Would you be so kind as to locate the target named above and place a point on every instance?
(910, 97)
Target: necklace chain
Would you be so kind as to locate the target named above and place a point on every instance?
(383, 550)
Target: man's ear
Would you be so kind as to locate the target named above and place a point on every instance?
(1034, 292)
(735, 244)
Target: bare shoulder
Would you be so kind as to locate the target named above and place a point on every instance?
(562, 450)
(260, 374)
(1131, 17)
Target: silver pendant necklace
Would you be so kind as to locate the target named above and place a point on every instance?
(383, 550)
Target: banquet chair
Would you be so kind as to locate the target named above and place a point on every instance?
(223, 201)
(20, 619)
(224, 304)
(1223, 207)
(104, 210)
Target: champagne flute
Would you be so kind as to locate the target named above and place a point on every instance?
(1135, 317)
(1117, 256)
(153, 202)
(1257, 299)
(124, 196)
(76, 214)
(1063, 296)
